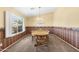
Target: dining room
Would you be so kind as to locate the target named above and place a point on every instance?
(39, 29)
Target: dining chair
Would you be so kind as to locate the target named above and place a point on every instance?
(42, 40)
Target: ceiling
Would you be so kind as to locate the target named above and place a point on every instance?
(34, 11)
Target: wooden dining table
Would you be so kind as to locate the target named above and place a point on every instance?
(39, 32)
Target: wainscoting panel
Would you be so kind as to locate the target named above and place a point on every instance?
(29, 29)
(8, 41)
(68, 34)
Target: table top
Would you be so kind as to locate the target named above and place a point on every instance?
(39, 32)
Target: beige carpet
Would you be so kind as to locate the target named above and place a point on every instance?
(27, 45)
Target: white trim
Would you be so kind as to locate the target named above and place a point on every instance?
(67, 43)
(12, 44)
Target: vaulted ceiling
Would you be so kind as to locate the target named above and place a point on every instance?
(34, 11)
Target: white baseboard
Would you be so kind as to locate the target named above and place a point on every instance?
(67, 43)
(12, 44)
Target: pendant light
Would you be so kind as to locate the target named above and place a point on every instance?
(39, 18)
(39, 11)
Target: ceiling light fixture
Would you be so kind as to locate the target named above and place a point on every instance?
(39, 11)
(38, 16)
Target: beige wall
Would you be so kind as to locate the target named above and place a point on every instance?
(66, 17)
(12, 10)
(62, 17)
(46, 19)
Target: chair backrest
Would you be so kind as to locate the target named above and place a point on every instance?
(42, 37)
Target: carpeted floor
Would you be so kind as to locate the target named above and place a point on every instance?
(54, 45)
